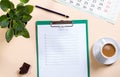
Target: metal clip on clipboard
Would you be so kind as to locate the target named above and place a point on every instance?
(61, 24)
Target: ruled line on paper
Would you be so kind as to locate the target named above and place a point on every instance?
(62, 49)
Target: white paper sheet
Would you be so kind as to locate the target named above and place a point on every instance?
(62, 51)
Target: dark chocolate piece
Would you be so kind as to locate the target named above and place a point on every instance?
(24, 69)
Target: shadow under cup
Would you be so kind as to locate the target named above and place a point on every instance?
(108, 50)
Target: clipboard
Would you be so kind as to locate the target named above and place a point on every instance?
(62, 48)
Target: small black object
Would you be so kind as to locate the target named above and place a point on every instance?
(24, 69)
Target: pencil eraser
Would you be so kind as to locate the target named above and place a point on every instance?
(24, 68)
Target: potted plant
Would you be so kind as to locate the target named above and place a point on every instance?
(15, 18)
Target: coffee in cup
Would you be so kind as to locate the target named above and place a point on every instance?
(108, 50)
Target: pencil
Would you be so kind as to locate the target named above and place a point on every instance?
(52, 11)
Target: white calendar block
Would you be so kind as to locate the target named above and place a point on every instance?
(105, 9)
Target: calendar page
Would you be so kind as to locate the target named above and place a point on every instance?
(105, 9)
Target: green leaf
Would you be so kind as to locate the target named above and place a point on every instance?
(4, 0)
(4, 21)
(20, 4)
(11, 5)
(11, 14)
(25, 33)
(4, 5)
(26, 17)
(29, 8)
(18, 26)
(9, 35)
(24, 1)
(0, 4)
(20, 10)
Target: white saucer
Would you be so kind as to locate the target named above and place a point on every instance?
(97, 48)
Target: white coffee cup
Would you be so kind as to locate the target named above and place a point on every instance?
(101, 48)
